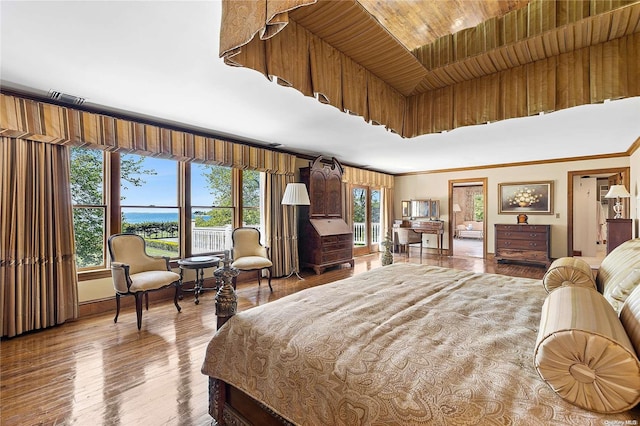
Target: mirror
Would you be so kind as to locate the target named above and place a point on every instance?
(406, 208)
(421, 209)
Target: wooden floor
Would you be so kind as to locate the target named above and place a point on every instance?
(92, 371)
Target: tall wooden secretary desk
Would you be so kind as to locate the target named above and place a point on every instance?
(325, 238)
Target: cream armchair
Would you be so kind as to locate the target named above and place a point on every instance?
(248, 254)
(136, 273)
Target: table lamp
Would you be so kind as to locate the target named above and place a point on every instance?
(617, 192)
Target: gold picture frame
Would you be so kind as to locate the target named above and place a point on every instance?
(525, 197)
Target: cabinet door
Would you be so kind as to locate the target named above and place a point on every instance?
(317, 193)
(333, 207)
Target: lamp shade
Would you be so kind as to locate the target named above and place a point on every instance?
(296, 195)
(617, 191)
(456, 208)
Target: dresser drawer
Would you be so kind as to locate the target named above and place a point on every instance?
(520, 235)
(522, 244)
(522, 228)
(337, 255)
(522, 255)
(341, 239)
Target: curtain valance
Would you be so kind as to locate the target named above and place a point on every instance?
(43, 122)
(355, 176)
(541, 58)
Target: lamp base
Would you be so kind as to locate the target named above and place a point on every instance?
(618, 210)
(294, 271)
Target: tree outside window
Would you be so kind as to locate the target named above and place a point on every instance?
(89, 209)
(478, 207)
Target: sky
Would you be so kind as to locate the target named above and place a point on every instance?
(161, 189)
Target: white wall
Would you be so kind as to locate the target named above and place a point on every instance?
(436, 186)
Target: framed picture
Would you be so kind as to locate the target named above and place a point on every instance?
(525, 197)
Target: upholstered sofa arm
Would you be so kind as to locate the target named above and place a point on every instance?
(120, 275)
(583, 352)
(568, 271)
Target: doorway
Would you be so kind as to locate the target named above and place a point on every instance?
(467, 217)
(366, 219)
(587, 211)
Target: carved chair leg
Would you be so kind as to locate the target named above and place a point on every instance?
(115, 320)
(259, 275)
(146, 299)
(139, 297)
(175, 297)
(269, 271)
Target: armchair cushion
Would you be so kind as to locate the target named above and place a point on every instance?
(252, 262)
(151, 280)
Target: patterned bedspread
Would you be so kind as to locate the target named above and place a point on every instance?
(404, 344)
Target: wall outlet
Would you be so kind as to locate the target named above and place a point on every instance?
(557, 215)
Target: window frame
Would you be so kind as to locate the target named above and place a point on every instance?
(112, 207)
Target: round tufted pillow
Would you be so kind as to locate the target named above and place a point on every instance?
(583, 353)
(568, 271)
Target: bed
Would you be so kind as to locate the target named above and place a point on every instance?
(401, 344)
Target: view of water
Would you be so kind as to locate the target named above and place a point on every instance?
(139, 217)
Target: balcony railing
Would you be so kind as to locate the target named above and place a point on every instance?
(216, 239)
(360, 236)
(211, 239)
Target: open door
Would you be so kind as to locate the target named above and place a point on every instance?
(366, 219)
(467, 217)
(578, 215)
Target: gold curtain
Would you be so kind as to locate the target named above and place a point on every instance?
(28, 119)
(37, 264)
(517, 65)
(243, 19)
(282, 231)
(364, 177)
(386, 215)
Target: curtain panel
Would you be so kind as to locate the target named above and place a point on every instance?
(282, 232)
(40, 121)
(37, 264)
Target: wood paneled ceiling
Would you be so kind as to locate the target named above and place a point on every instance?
(418, 22)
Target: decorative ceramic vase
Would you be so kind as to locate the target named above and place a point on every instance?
(387, 258)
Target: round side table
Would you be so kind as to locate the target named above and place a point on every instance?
(199, 263)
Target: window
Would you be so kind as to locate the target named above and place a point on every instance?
(150, 206)
(251, 198)
(149, 202)
(89, 208)
(212, 208)
(478, 207)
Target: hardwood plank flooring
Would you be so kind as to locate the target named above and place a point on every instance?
(92, 371)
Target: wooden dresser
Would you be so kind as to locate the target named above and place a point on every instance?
(523, 243)
(325, 237)
(618, 231)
